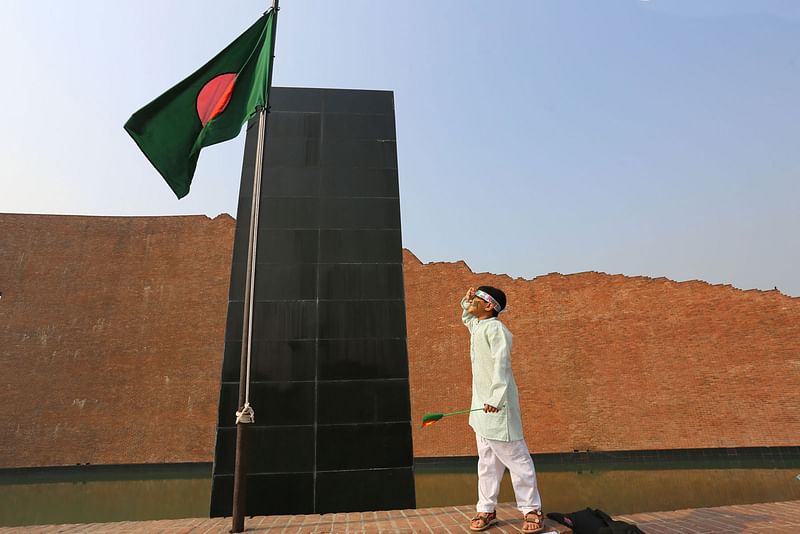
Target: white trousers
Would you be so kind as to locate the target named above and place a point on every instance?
(493, 458)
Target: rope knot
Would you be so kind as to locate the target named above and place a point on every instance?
(246, 414)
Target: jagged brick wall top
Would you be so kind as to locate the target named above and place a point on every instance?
(610, 362)
(111, 338)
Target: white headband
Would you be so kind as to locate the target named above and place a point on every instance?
(490, 299)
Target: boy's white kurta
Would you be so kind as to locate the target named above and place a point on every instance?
(492, 379)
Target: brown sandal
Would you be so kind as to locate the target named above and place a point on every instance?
(534, 522)
(487, 519)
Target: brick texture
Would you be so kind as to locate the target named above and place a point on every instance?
(111, 339)
(448, 520)
(609, 362)
(772, 518)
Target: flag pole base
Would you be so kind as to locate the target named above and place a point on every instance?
(239, 480)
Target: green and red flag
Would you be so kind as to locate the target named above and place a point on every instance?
(206, 108)
(429, 418)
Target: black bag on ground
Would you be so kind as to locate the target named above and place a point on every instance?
(588, 521)
(581, 522)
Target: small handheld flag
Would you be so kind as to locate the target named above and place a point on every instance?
(430, 418)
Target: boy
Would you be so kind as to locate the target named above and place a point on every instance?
(498, 428)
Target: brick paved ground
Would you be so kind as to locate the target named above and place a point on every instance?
(769, 518)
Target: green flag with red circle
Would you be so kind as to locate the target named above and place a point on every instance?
(206, 108)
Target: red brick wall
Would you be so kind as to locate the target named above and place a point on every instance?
(609, 362)
(111, 338)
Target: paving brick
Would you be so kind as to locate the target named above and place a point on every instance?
(783, 518)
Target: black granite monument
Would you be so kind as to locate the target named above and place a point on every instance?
(329, 373)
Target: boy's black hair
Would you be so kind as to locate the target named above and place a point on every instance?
(498, 295)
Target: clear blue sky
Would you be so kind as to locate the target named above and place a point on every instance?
(657, 138)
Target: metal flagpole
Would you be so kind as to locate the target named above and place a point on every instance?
(245, 414)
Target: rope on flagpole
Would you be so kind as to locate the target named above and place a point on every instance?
(246, 414)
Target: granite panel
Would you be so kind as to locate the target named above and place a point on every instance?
(360, 246)
(296, 152)
(359, 213)
(281, 245)
(277, 244)
(265, 494)
(366, 153)
(362, 319)
(270, 449)
(275, 320)
(285, 320)
(358, 126)
(363, 401)
(273, 360)
(293, 124)
(370, 102)
(274, 403)
(296, 99)
(342, 359)
(289, 212)
(363, 446)
(361, 281)
(289, 182)
(352, 491)
(285, 281)
(362, 182)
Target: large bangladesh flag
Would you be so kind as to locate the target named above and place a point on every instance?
(208, 107)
